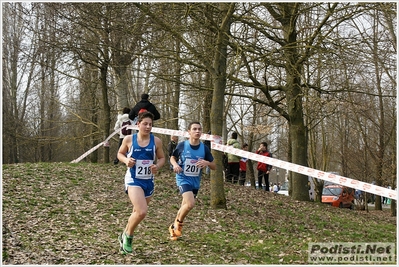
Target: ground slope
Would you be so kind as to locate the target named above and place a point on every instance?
(61, 213)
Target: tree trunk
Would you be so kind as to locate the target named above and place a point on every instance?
(207, 104)
(218, 199)
(297, 129)
(122, 87)
(300, 190)
(107, 110)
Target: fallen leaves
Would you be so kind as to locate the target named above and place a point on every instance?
(72, 213)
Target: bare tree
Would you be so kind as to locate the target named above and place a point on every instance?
(19, 59)
(377, 113)
(309, 64)
(216, 66)
(90, 38)
(289, 42)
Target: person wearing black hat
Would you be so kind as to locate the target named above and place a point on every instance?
(144, 105)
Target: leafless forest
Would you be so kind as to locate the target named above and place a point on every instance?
(317, 81)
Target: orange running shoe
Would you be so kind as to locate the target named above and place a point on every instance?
(172, 233)
(178, 229)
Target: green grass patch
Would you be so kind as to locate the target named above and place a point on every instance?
(63, 213)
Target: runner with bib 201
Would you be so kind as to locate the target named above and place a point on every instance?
(188, 160)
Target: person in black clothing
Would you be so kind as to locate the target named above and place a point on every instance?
(208, 144)
(171, 147)
(145, 104)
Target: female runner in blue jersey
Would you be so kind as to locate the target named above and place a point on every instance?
(188, 160)
(143, 155)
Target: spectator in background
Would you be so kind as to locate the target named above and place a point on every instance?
(388, 200)
(171, 147)
(208, 144)
(263, 168)
(233, 160)
(275, 188)
(359, 197)
(385, 199)
(372, 196)
(144, 105)
(243, 167)
(124, 117)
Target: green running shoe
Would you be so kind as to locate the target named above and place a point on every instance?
(125, 242)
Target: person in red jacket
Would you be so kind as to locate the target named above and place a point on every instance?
(263, 168)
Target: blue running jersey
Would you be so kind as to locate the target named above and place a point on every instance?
(191, 174)
(144, 157)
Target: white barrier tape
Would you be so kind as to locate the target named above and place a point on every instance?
(217, 144)
(337, 179)
(87, 153)
(105, 142)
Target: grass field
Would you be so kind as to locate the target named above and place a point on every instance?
(61, 213)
